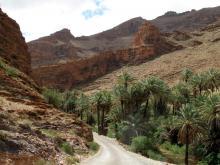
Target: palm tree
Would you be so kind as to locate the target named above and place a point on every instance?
(186, 74)
(106, 106)
(102, 101)
(146, 95)
(161, 93)
(70, 98)
(211, 115)
(136, 92)
(125, 79)
(188, 120)
(97, 101)
(83, 105)
(180, 94)
(197, 83)
(122, 93)
(213, 79)
(115, 117)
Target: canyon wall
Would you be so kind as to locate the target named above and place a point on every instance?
(12, 44)
(146, 43)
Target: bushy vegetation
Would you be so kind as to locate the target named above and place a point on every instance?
(53, 97)
(142, 144)
(148, 114)
(67, 148)
(93, 146)
(10, 71)
(176, 149)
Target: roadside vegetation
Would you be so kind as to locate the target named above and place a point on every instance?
(179, 124)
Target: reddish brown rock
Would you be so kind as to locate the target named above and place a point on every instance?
(146, 43)
(24, 114)
(147, 34)
(12, 44)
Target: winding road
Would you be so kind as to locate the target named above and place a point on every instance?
(111, 153)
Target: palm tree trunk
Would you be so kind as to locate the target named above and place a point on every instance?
(98, 118)
(122, 109)
(174, 110)
(116, 129)
(200, 89)
(102, 121)
(187, 146)
(145, 109)
(81, 114)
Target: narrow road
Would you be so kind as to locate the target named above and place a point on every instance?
(111, 153)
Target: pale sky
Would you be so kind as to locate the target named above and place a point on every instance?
(39, 18)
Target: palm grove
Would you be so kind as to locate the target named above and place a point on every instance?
(150, 116)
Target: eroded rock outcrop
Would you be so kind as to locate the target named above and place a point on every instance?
(64, 63)
(66, 72)
(12, 44)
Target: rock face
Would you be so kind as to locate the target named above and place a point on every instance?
(87, 58)
(12, 45)
(187, 21)
(63, 61)
(30, 129)
(54, 48)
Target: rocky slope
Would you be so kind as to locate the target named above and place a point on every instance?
(70, 61)
(64, 61)
(12, 44)
(30, 129)
(187, 21)
(201, 53)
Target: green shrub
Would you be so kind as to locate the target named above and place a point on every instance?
(93, 146)
(142, 144)
(67, 148)
(53, 97)
(10, 71)
(211, 158)
(155, 155)
(173, 148)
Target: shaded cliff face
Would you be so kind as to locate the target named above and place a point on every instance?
(30, 129)
(12, 44)
(187, 21)
(87, 58)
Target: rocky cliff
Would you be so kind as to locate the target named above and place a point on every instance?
(63, 61)
(87, 58)
(187, 21)
(30, 129)
(12, 44)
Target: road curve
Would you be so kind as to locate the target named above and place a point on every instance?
(111, 153)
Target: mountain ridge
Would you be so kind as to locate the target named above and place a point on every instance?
(53, 52)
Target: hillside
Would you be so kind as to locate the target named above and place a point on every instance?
(169, 66)
(30, 129)
(64, 61)
(187, 21)
(63, 65)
